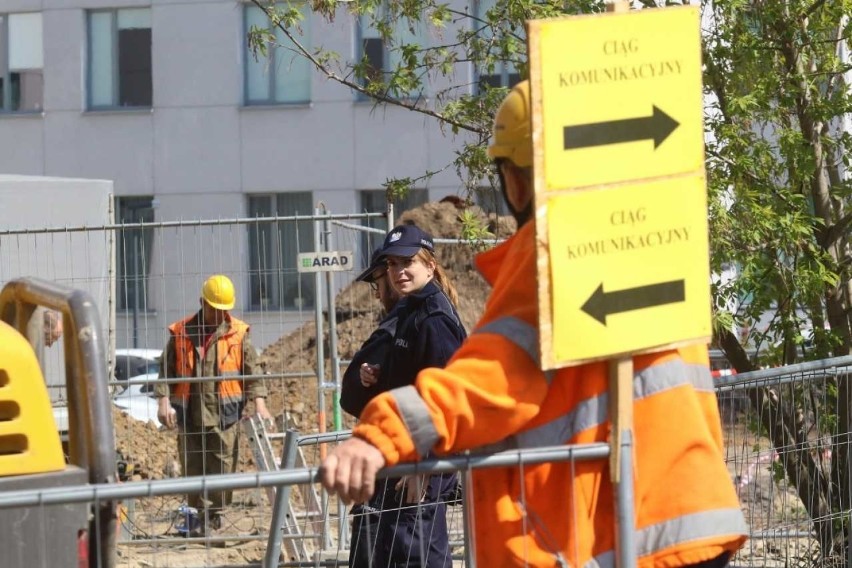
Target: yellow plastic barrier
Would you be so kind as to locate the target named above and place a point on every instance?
(29, 441)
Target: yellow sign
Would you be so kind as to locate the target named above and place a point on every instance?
(629, 268)
(621, 213)
(622, 97)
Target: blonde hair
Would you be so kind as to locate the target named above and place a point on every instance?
(440, 277)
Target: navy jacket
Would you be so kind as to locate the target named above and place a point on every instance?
(353, 395)
(428, 332)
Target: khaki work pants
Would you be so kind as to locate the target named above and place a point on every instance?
(210, 452)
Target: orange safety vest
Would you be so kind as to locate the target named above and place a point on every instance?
(229, 352)
(493, 392)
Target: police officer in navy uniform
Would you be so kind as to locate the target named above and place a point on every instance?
(413, 522)
(357, 392)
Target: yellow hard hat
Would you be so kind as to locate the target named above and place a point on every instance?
(512, 127)
(218, 291)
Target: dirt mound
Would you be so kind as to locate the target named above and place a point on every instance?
(151, 453)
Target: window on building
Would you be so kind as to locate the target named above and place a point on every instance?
(382, 57)
(283, 76)
(21, 62)
(134, 246)
(120, 58)
(374, 201)
(274, 246)
(504, 73)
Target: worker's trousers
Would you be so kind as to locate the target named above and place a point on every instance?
(210, 451)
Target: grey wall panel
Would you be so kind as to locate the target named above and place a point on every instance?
(12, 6)
(22, 144)
(338, 37)
(64, 33)
(78, 259)
(267, 328)
(297, 148)
(209, 69)
(443, 146)
(389, 142)
(108, 145)
(183, 257)
(197, 150)
(196, 2)
(94, 4)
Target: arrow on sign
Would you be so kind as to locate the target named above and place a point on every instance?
(601, 304)
(657, 126)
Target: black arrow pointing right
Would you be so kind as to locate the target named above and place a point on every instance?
(658, 126)
(601, 304)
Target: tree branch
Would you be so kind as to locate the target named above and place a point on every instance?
(378, 97)
(813, 8)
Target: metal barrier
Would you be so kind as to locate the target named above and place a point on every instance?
(114, 492)
(752, 458)
(782, 531)
(787, 444)
(173, 273)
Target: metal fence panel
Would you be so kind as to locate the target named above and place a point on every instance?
(782, 433)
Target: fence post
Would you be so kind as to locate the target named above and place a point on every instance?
(333, 357)
(320, 347)
(282, 503)
(621, 458)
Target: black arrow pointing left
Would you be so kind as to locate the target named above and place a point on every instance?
(656, 127)
(601, 304)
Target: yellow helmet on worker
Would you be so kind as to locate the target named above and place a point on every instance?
(218, 291)
(512, 138)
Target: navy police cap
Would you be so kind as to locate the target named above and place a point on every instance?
(377, 260)
(407, 240)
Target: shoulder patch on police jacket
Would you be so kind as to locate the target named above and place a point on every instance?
(437, 304)
(389, 325)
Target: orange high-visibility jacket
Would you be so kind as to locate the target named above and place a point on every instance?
(493, 390)
(229, 351)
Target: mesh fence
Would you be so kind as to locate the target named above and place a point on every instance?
(787, 444)
(786, 434)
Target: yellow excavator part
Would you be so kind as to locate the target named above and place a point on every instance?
(29, 442)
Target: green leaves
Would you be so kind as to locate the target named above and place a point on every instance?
(412, 53)
(775, 185)
(775, 158)
(259, 40)
(474, 231)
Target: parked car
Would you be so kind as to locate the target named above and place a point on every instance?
(135, 371)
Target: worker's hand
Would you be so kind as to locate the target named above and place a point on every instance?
(350, 470)
(166, 414)
(414, 486)
(369, 374)
(262, 412)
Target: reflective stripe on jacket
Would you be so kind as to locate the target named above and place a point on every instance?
(493, 394)
(229, 354)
